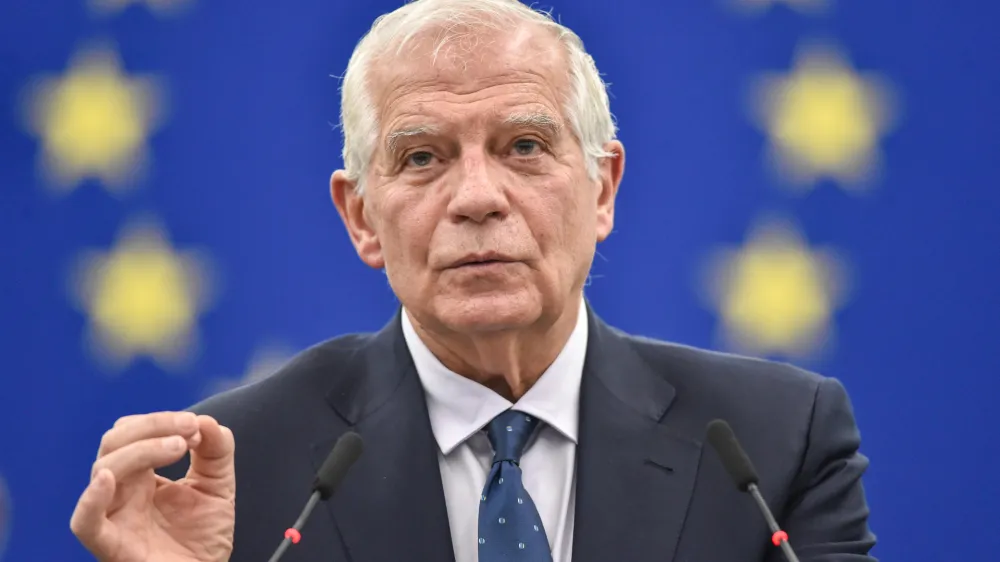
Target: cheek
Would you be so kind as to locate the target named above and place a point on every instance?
(407, 227)
(576, 228)
(556, 215)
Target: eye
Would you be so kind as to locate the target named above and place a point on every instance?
(420, 158)
(525, 147)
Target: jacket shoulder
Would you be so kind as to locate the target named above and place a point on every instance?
(265, 413)
(311, 372)
(722, 370)
(761, 396)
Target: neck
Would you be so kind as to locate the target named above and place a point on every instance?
(508, 362)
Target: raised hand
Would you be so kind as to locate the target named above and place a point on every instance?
(130, 514)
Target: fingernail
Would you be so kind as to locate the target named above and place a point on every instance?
(174, 443)
(187, 421)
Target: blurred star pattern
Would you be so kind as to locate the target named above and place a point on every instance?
(807, 180)
(143, 297)
(159, 7)
(93, 121)
(756, 7)
(776, 295)
(823, 119)
(266, 360)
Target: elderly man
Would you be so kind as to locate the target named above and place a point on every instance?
(503, 420)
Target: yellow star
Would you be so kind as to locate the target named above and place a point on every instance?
(823, 119)
(93, 122)
(775, 295)
(162, 7)
(143, 298)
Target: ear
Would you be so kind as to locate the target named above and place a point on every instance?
(610, 177)
(351, 207)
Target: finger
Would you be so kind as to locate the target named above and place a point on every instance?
(147, 426)
(89, 522)
(126, 419)
(147, 454)
(213, 457)
(131, 417)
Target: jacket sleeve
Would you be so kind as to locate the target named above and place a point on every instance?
(826, 517)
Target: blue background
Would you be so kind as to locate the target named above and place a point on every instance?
(240, 169)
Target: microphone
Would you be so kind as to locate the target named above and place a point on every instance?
(347, 450)
(739, 467)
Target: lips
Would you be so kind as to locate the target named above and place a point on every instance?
(482, 259)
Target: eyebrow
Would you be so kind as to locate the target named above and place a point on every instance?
(538, 120)
(393, 138)
(542, 121)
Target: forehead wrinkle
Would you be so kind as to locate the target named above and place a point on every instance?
(414, 76)
(419, 94)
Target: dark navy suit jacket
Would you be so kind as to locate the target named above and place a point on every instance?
(649, 488)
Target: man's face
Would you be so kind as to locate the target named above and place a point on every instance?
(477, 201)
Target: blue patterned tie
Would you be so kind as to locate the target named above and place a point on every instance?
(509, 525)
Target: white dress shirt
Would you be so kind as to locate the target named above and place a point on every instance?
(459, 410)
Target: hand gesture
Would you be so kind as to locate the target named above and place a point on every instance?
(130, 514)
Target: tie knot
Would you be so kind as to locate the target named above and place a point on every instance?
(509, 434)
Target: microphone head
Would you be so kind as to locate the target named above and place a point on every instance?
(347, 450)
(736, 461)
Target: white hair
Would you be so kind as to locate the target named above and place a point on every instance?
(586, 108)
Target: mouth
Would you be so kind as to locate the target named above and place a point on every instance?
(482, 260)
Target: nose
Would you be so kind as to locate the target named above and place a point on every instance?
(480, 193)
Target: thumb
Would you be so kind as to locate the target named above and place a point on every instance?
(90, 521)
(213, 458)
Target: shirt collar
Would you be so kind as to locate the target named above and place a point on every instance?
(459, 407)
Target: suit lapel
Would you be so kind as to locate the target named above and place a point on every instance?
(634, 477)
(391, 505)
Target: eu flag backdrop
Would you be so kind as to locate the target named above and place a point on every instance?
(808, 180)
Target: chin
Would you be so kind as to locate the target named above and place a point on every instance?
(490, 312)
